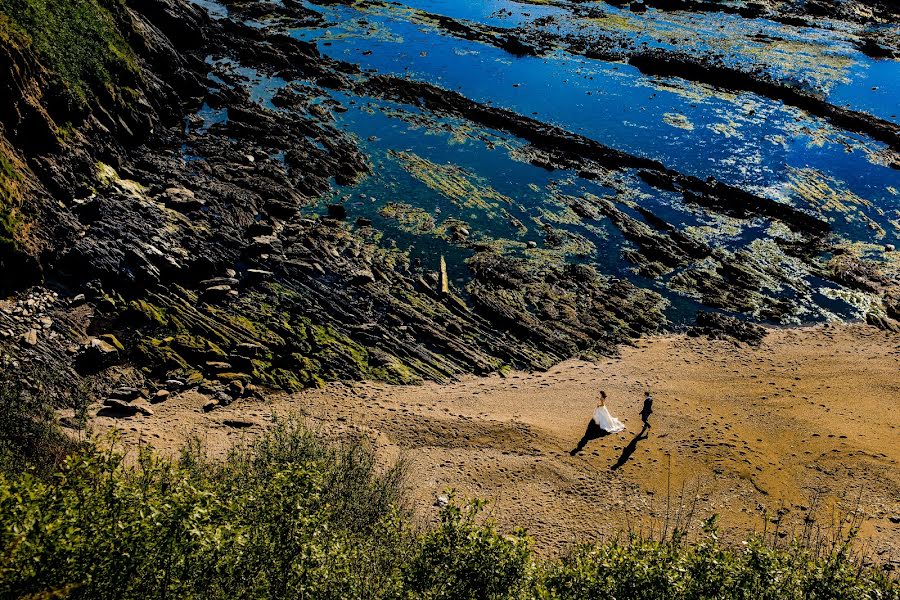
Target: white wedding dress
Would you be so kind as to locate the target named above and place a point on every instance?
(606, 421)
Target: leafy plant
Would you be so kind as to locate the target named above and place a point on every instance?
(295, 516)
(29, 434)
(464, 558)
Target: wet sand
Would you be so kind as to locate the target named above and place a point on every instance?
(736, 430)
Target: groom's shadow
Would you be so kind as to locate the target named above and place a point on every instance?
(593, 432)
(628, 450)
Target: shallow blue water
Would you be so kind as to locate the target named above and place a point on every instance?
(743, 139)
(874, 88)
(616, 105)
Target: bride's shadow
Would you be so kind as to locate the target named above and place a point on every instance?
(593, 432)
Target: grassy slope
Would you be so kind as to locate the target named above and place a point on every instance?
(13, 227)
(78, 41)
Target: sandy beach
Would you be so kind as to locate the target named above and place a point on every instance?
(739, 431)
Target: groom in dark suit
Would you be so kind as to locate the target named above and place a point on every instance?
(647, 410)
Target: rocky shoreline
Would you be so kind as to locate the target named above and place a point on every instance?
(188, 247)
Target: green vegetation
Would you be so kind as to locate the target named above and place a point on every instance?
(11, 225)
(293, 515)
(79, 41)
(29, 434)
(8, 173)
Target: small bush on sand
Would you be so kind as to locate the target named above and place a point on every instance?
(463, 557)
(29, 433)
(676, 570)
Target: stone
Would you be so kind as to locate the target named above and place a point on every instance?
(363, 277)
(719, 326)
(113, 407)
(266, 244)
(112, 341)
(216, 281)
(236, 388)
(260, 228)
(175, 384)
(160, 396)
(532, 244)
(337, 211)
(96, 354)
(881, 322)
(219, 366)
(216, 292)
(889, 247)
(892, 305)
(143, 408)
(223, 399)
(182, 199)
(444, 285)
(30, 338)
(257, 275)
(46, 322)
(248, 350)
(127, 393)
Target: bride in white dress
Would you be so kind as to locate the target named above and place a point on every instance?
(604, 420)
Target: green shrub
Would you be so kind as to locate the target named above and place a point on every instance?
(288, 517)
(29, 434)
(11, 223)
(673, 569)
(464, 558)
(293, 516)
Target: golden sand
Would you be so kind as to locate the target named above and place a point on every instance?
(737, 431)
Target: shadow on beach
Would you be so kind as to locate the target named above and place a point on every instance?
(593, 432)
(628, 450)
